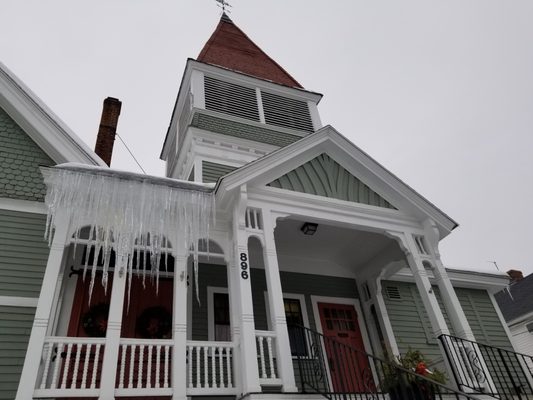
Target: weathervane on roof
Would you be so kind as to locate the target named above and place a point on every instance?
(224, 5)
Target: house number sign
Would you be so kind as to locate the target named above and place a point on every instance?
(244, 265)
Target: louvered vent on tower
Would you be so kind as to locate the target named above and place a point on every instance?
(229, 98)
(285, 112)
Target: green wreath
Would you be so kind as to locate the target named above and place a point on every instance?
(154, 323)
(94, 321)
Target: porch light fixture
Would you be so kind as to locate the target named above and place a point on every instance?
(309, 228)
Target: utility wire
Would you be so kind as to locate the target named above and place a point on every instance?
(131, 154)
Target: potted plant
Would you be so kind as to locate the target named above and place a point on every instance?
(402, 385)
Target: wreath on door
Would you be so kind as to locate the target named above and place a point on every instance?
(154, 323)
(94, 321)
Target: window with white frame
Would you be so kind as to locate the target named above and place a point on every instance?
(218, 314)
(296, 315)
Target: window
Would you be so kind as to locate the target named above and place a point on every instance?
(221, 316)
(294, 317)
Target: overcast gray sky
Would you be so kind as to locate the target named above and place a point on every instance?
(440, 93)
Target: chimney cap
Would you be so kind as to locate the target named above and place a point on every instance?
(515, 275)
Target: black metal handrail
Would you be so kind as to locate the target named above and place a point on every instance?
(482, 368)
(338, 371)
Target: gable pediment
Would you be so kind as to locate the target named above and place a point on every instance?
(323, 176)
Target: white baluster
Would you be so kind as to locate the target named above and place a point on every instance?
(221, 366)
(262, 357)
(133, 348)
(213, 368)
(65, 368)
(198, 368)
(95, 366)
(189, 364)
(271, 358)
(140, 368)
(123, 355)
(149, 368)
(79, 347)
(157, 365)
(206, 369)
(53, 385)
(165, 375)
(47, 364)
(228, 366)
(88, 348)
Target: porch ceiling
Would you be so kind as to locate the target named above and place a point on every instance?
(348, 248)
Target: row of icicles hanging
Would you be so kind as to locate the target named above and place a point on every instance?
(129, 215)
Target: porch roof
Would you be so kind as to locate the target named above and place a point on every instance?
(330, 141)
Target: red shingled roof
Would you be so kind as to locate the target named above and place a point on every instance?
(229, 47)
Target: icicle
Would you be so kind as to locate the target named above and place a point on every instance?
(131, 213)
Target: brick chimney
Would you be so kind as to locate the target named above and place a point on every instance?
(108, 129)
(515, 275)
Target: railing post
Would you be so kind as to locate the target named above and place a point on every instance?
(179, 330)
(114, 325)
(32, 362)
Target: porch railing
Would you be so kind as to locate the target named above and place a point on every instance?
(338, 371)
(481, 368)
(144, 365)
(266, 358)
(71, 365)
(210, 368)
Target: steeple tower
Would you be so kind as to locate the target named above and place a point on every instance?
(229, 47)
(235, 104)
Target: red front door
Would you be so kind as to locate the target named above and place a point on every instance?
(348, 364)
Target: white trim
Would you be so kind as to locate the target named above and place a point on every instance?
(12, 301)
(211, 290)
(292, 296)
(501, 319)
(45, 128)
(28, 206)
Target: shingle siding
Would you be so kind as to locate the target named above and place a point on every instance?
(15, 328)
(23, 253)
(243, 131)
(212, 171)
(20, 158)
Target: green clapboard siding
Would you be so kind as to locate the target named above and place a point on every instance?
(212, 171)
(412, 328)
(410, 321)
(15, 328)
(242, 130)
(323, 176)
(20, 158)
(23, 253)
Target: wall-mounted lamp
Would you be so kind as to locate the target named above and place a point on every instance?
(309, 228)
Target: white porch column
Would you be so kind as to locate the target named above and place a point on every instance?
(242, 311)
(431, 305)
(32, 362)
(452, 305)
(179, 330)
(276, 306)
(114, 325)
